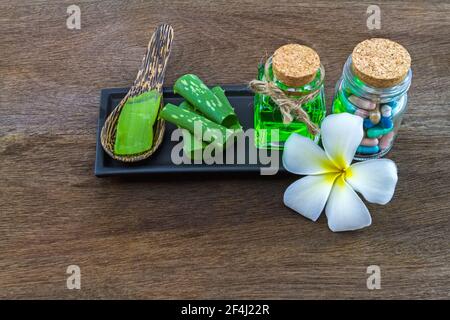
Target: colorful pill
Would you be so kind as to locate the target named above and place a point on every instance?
(386, 140)
(367, 123)
(362, 103)
(369, 142)
(362, 113)
(368, 150)
(386, 110)
(378, 131)
(386, 122)
(348, 106)
(375, 116)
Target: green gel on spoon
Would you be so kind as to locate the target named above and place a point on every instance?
(135, 125)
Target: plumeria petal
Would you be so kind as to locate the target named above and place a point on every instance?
(374, 179)
(302, 156)
(345, 210)
(309, 195)
(341, 135)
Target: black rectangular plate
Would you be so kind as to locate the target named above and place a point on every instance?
(241, 98)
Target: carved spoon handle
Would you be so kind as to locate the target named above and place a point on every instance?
(151, 73)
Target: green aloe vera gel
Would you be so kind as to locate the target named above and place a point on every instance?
(135, 125)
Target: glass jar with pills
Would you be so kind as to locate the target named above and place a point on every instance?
(374, 85)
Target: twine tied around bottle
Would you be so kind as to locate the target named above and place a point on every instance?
(289, 107)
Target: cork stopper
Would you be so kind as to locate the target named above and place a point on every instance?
(380, 63)
(295, 65)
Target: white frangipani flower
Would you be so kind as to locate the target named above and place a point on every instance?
(331, 179)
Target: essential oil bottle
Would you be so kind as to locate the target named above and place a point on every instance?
(297, 71)
(374, 85)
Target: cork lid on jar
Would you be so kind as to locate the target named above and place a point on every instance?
(295, 65)
(380, 63)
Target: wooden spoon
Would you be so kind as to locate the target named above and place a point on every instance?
(150, 77)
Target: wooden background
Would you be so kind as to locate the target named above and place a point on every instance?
(205, 236)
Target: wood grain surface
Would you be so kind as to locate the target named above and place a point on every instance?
(221, 236)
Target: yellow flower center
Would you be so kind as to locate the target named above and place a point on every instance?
(347, 173)
(340, 176)
(340, 162)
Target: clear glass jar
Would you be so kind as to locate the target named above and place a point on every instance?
(267, 115)
(379, 134)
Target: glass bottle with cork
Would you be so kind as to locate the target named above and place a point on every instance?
(374, 85)
(289, 96)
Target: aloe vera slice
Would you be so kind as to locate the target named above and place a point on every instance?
(207, 131)
(203, 99)
(192, 146)
(135, 124)
(220, 94)
(187, 106)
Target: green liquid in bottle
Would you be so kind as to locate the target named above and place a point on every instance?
(267, 117)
